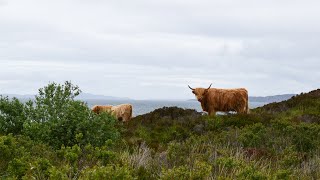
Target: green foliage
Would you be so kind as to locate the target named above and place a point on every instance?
(283, 174)
(228, 163)
(20, 156)
(201, 170)
(107, 172)
(12, 116)
(181, 172)
(254, 135)
(57, 119)
(251, 173)
(58, 137)
(291, 158)
(40, 169)
(17, 168)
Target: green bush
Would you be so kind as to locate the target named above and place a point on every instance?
(107, 172)
(251, 173)
(254, 136)
(228, 163)
(181, 172)
(283, 174)
(201, 170)
(12, 116)
(21, 156)
(18, 168)
(39, 169)
(290, 158)
(57, 119)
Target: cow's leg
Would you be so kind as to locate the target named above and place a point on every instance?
(212, 113)
(243, 111)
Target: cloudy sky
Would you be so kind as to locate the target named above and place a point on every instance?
(152, 49)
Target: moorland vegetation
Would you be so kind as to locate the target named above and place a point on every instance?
(58, 137)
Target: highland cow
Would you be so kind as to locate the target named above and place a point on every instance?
(224, 100)
(122, 112)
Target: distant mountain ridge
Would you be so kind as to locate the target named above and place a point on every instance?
(301, 102)
(88, 96)
(270, 99)
(19, 96)
(82, 96)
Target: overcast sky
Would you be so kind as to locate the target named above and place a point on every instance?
(148, 49)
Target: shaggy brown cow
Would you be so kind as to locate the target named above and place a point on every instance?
(99, 109)
(122, 112)
(225, 100)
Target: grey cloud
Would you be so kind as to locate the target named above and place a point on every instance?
(270, 47)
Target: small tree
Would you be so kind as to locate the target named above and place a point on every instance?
(56, 118)
(12, 116)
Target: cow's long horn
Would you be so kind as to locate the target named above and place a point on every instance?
(190, 88)
(210, 86)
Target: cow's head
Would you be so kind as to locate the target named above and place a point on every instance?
(200, 93)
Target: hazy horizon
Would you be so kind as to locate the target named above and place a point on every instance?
(116, 98)
(153, 49)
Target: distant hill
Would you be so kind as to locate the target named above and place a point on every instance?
(266, 99)
(299, 102)
(82, 96)
(88, 96)
(19, 96)
(270, 99)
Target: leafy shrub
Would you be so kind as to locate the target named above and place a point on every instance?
(57, 119)
(178, 154)
(251, 173)
(305, 137)
(227, 163)
(254, 135)
(63, 172)
(181, 172)
(283, 174)
(21, 156)
(107, 172)
(12, 116)
(18, 168)
(39, 169)
(201, 170)
(291, 158)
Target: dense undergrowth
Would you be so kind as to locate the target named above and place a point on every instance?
(57, 137)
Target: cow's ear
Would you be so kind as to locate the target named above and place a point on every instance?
(205, 91)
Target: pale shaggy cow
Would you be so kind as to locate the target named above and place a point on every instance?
(122, 112)
(214, 99)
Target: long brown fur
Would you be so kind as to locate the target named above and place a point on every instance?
(225, 100)
(99, 109)
(121, 112)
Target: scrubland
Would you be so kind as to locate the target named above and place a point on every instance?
(58, 137)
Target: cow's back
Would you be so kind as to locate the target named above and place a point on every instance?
(100, 108)
(227, 99)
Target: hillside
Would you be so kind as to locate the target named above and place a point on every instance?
(304, 99)
(276, 141)
(61, 138)
(304, 107)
